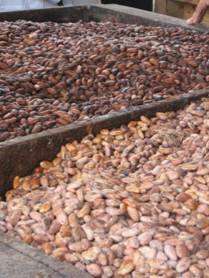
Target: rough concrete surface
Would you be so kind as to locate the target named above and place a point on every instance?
(18, 260)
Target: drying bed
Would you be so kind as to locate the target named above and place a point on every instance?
(48, 81)
(15, 154)
(53, 74)
(128, 202)
(177, 243)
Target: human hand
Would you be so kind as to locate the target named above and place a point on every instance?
(199, 12)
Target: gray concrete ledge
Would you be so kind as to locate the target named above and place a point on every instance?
(18, 260)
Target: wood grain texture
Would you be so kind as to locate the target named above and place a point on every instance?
(175, 9)
(160, 6)
(193, 2)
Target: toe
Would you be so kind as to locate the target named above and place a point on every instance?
(191, 21)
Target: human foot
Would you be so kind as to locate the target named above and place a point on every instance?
(199, 12)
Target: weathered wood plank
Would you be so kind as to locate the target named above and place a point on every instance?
(175, 9)
(193, 2)
(160, 6)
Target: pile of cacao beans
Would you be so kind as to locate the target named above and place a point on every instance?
(129, 202)
(52, 74)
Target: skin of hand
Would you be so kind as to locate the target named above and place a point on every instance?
(199, 12)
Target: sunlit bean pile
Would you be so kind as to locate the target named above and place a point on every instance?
(52, 74)
(130, 202)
